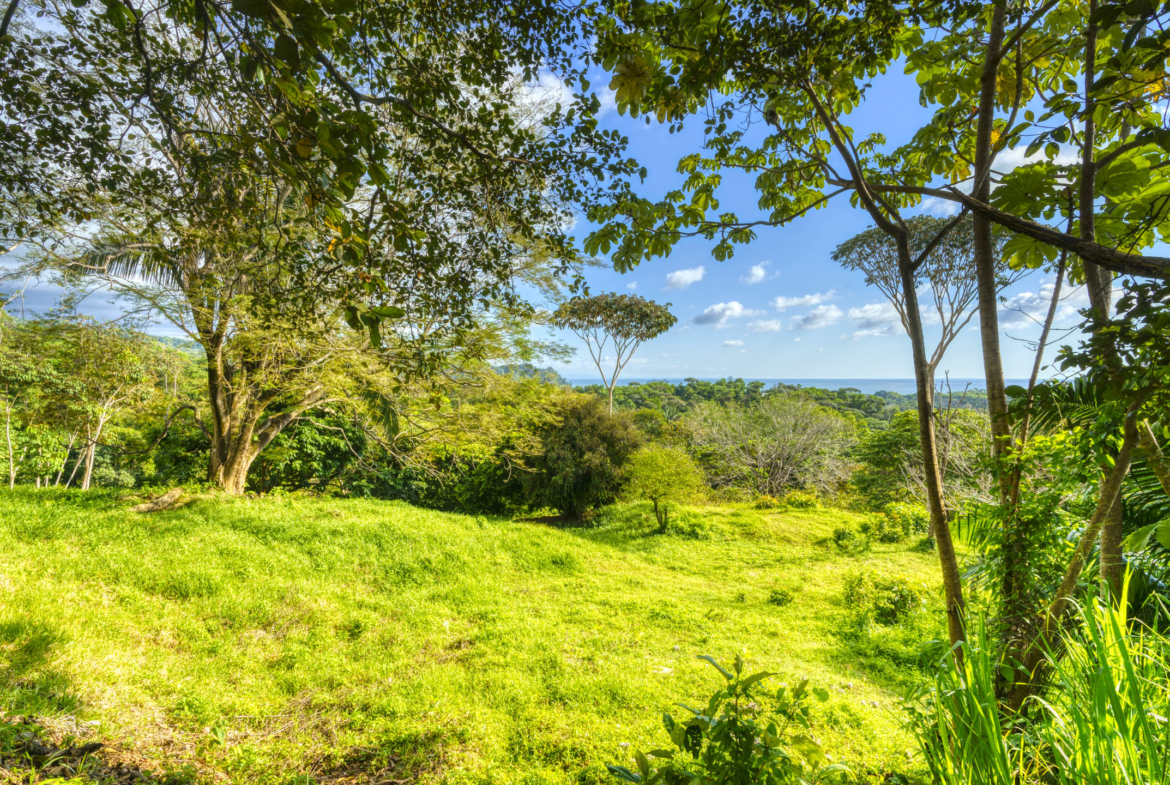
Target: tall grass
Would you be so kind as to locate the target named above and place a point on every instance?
(1101, 718)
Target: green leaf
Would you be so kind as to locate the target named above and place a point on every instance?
(286, 50)
(717, 666)
(1137, 542)
(258, 8)
(388, 311)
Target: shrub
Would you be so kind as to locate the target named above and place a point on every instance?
(911, 518)
(849, 540)
(767, 502)
(883, 529)
(109, 477)
(582, 457)
(665, 476)
(801, 500)
(886, 600)
(743, 734)
(781, 597)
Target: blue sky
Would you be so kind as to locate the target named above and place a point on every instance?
(781, 308)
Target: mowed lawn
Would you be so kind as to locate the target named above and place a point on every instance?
(297, 640)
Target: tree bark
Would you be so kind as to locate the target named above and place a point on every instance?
(1112, 564)
(939, 523)
(8, 437)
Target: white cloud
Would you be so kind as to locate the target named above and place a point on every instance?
(782, 303)
(875, 319)
(719, 313)
(733, 343)
(944, 208)
(796, 340)
(821, 316)
(755, 274)
(632, 285)
(681, 279)
(767, 326)
(1028, 309)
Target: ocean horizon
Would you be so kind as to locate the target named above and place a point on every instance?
(868, 386)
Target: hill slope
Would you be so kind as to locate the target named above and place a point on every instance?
(363, 641)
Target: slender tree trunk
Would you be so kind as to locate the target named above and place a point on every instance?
(65, 460)
(939, 524)
(8, 437)
(1112, 563)
(611, 400)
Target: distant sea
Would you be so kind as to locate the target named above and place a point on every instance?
(869, 386)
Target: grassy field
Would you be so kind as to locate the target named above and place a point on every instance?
(296, 640)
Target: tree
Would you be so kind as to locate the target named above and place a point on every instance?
(782, 442)
(665, 476)
(264, 201)
(947, 270)
(625, 319)
(582, 455)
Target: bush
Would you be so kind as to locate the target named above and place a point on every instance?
(767, 502)
(665, 476)
(109, 477)
(849, 540)
(801, 500)
(883, 529)
(781, 597)
(912, 518)
(582, 457)
(886, 600)
(744, 734)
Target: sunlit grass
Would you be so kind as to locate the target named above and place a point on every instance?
(275, 638)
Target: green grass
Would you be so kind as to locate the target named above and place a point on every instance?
(270, 639)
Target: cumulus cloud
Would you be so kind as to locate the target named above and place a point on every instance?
(680, 279)
(755, 274)
(733, 343)
(632, 285)
(720, 313)
(767, 326)
(875, 319)
(1027, 309)
(821, 316)
(783, 303)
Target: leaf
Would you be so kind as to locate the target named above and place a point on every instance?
(257, 8)
(717, 666)
(624, 774)
(286, 50)
(754, 679)
(1138, 541)
(388, 311)
(304, 147)
(1015, 391)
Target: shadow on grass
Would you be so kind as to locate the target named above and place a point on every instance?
(28, 682)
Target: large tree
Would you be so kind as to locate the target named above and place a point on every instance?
(286, 169)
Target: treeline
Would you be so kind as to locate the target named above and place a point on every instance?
(876, 410)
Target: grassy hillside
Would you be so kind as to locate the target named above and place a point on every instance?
(305, 640)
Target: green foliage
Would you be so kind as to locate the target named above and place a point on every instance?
(850, 540)
(884, 599)
(899, 521)
(665, 476)
(766, 502)
(801, 500)
(911, 518)
(1099, 722)
(744, 734)
(781, 597)
(582, 456)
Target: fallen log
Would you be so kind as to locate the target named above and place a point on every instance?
(167, 501)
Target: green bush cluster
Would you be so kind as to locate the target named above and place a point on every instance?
(767, 502)
(849, 539)
(884, 599)
(912, 518)
(801, 500)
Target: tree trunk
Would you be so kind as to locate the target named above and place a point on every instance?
(939, 524)
(1112, 565)
(8, 436)
(611, 400)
